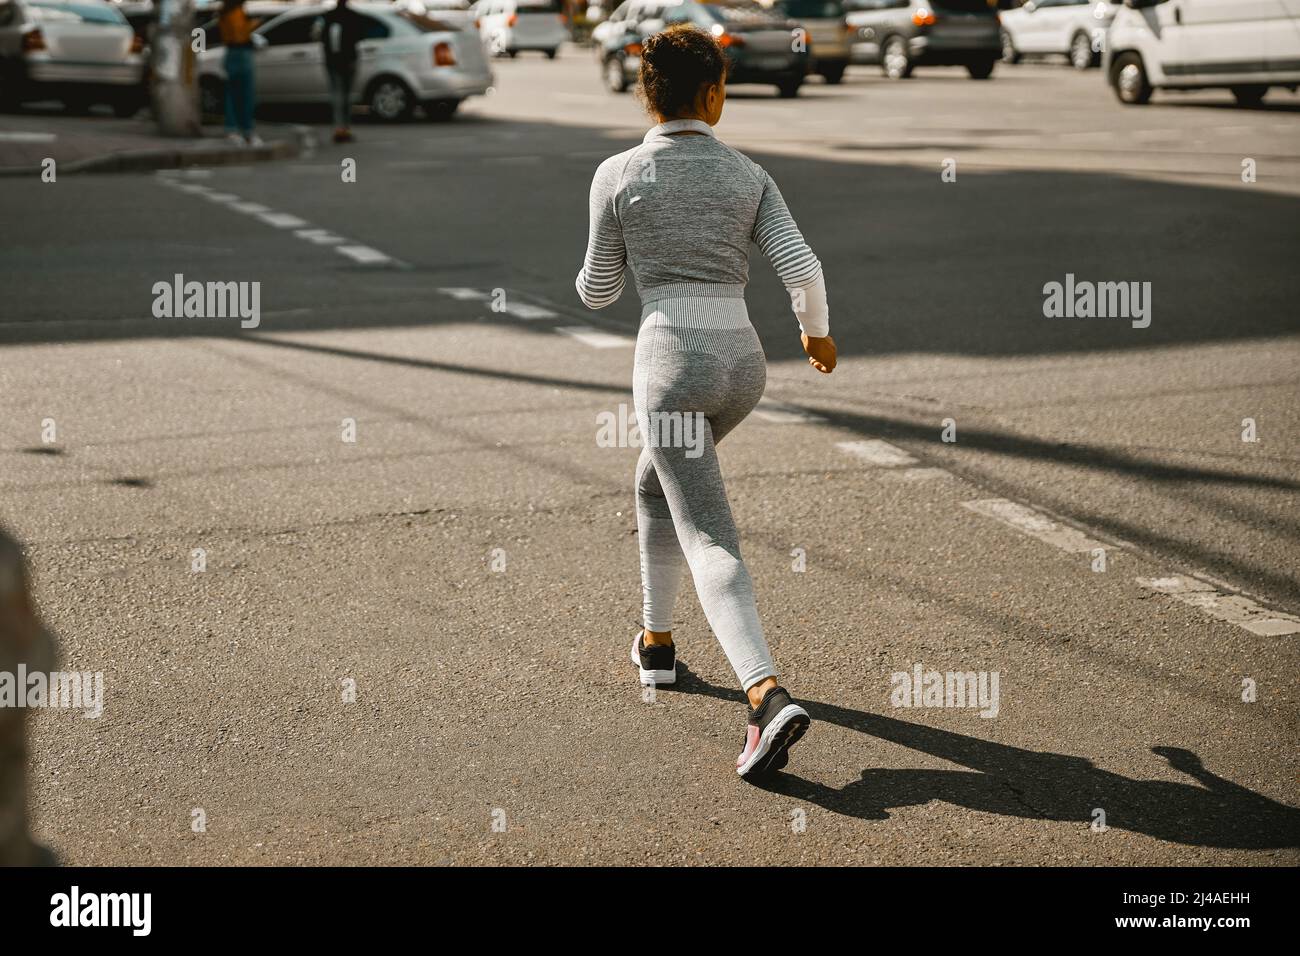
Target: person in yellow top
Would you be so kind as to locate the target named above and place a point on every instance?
(241, 91)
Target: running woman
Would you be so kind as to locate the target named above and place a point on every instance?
(681, 210)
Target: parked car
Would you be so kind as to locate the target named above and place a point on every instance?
(1075, 29)
(829, 33)
(1243, 45)
(508, 26)
(80, 53)
(762, 46)
(405, 59)
(620, 57)
(901, 35)
(458, 13)
(627, 18)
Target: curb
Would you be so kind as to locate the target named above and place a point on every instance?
(302, 141)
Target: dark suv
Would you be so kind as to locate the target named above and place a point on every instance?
(903, 34)
(762, 46)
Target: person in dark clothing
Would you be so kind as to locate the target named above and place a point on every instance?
(343, 29)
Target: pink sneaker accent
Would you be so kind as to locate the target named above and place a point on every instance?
(752, 735)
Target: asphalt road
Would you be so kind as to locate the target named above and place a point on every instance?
(1098, 533)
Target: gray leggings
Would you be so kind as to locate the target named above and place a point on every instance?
(699, 371)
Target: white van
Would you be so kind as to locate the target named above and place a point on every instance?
(1243, 45)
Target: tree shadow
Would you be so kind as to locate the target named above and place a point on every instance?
(1213, 812)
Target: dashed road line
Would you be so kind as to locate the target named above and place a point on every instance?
(283, 220)
(1034, 523)
(363, 254)
(595, 338)
(249, 207)
(783, 413)
(321, 237)
(876, 452)
(1233, 608)
(528, 312)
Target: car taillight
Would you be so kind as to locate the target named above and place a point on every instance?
(443, 55)
(923, 18)
(478, 24)
(137, 44)
(33, 40)
(632, 49)
(730, 39)
(514, 18)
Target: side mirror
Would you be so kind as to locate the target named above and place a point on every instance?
(260, 42)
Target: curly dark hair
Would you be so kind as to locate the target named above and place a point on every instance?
(675, 63)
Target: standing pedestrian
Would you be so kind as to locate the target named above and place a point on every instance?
(344, 29)
(241, 90)
(681, 210)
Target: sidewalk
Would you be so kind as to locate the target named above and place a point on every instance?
(106, 144)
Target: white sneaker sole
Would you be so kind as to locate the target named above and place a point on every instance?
(651, 678)
(784, 731)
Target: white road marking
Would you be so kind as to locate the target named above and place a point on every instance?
(363, 254)
(282, 220)
(457, 292)
(783, 413)
(18, 136)
(249, 207)
(322, 237)
(197, 189)
(219, 197)
(595, 338)
(528, 312)
(1034, 524)
(513, 160)
(1233, 608)
(876, 452)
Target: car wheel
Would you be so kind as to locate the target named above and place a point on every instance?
(1252, 95)
(895, 59)
(1128, 77)
(615, 78)
(390, 99)
(1009, 48)
(788, 89)
(550, 54)
(980, 69)
(512, 53)
(212, 98)
(1081, 55)
(833, 75)
(441, 110)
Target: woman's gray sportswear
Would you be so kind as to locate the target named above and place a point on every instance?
(681, 212)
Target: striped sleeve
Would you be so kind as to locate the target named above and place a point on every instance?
(600, 280)
(776, 234)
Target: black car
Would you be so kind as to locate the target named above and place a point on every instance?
(903, 34)
(762, 46)
(620, 61)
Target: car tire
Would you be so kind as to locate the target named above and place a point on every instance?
(550, 54)
(1009, 52)
(896, 59)
(981, 69)
(1250, 96)
(390, 99)
(512, 53)
(613, 75)
(1081, 53)
(834, 75)
(212, 98)
(789, 89)
(1128, 78)
(440, 111)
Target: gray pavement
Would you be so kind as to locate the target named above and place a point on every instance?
(496, 718)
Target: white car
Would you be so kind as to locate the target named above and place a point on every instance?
(456, 12)
(1243, 45)
(81, 53)
(628, 16)
(1075, 29)
(404, 59)
(508, 26)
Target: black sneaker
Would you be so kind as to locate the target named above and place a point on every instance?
(774, 727)
(657, 664)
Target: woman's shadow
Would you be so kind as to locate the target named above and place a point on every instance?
(1213, 812)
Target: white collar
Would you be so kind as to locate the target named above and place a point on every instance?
(678, 126)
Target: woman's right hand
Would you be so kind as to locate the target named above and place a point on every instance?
(821, 352)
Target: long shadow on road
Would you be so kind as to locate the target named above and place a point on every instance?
(1036, 785)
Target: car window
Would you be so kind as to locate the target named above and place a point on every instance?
(736, 11)
(83, 12)
(373, 29)
(295, 29)
(8, 13)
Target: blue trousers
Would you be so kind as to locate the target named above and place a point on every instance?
(241, 91)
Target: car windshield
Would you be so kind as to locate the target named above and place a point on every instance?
(738, 11)
(84, 12)
(813, 9)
